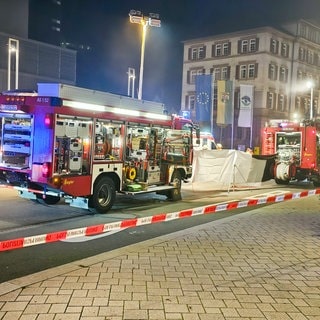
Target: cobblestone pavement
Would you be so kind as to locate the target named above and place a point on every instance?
(263, 264)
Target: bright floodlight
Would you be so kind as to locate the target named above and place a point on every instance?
(153, 20)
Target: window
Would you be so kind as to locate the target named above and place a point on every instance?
(243, 72)
(247, 71)
(218, 50)
(221, 49)
(305, 106)
(252, 45)
(283, 76)
(302, 54)
(220, 72)
(274, 46)
(251, 71)
(216, 73)
(272, 72)
(248, 45)
(193, 74)
(270, 100)
(303, 30)
(191, 102)
(197, 53)
(310, 57)
(281, 102)
(284, 50)
(226, 49)
(224, 73)
(201, 53)
(244, 46)
(298, 104)
(316, 107)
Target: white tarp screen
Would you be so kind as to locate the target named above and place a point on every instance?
(224, 169)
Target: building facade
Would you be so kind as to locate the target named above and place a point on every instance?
(277, 63)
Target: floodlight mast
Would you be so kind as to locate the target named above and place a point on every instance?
(152, 20)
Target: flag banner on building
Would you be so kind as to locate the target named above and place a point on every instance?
(203, 97)
(225, 102)
(246, 106)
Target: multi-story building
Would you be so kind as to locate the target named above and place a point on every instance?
(277, 63)
(30, 45)
(25, 62)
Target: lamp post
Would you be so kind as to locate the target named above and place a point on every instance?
(310, 85)
(153, 21)
(13, 48)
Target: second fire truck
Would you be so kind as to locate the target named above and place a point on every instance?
(86, 146)
(296, 150)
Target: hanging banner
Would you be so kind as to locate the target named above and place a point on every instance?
(246, 106)
(203, 97)
(225, 102)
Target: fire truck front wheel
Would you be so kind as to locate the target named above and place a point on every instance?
(104, 195)
(175, 194)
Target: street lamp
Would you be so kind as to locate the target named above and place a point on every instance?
(310, 85)
(13, 50)
(131, 78)
(153, 21)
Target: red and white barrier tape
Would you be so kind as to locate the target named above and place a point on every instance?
(163, 217)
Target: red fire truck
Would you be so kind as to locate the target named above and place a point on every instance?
(296, 151)
(85, 146)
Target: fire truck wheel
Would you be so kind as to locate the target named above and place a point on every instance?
(47, 199)
(104, 195)
(175, 194)
(283, 182)
(316, 184)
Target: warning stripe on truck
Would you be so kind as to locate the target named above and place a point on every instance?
(24, 242)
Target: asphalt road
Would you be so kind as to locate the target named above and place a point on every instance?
(22, 218)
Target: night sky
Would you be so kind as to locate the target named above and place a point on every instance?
(116, 43)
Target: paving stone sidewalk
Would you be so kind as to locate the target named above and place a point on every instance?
(263, 264)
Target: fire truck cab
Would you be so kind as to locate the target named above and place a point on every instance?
(296, 148)
(86, 146)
